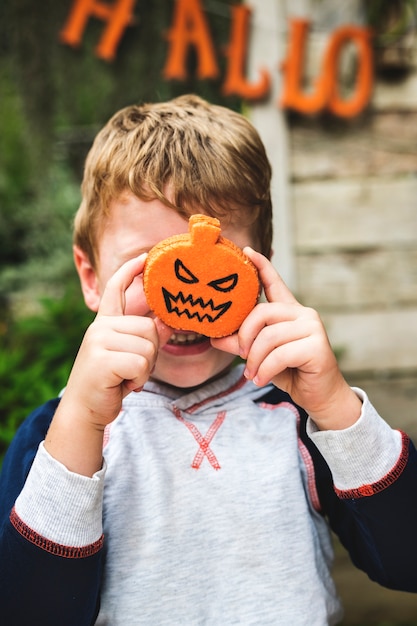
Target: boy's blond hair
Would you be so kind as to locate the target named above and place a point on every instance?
(209, 158)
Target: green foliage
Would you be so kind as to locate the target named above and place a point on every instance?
(14, 173)
(44, 239)
(36, 355)
(390, 19)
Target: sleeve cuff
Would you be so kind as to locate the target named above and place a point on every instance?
(63, 507)
(363, 454)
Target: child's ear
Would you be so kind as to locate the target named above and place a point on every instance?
(88, 279)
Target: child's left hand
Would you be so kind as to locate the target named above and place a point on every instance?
(286, 343)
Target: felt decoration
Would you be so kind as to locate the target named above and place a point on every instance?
(361, 94)
(200, 281)
(118, 16)
(190, 27)
(325, 93)
(293, 97)
(235, 82)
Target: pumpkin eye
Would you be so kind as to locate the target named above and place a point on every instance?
(184, 274)
(224, 284)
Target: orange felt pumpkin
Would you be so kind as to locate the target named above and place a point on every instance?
(200, 281)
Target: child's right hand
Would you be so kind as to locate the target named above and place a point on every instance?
(116, 356)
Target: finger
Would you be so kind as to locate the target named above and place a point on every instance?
(130, 335)
(269, 339)
(287, 358)
(228, 344)
(129, 325)
(275, 288)
(131, 344)
(130, 368)
(265, 314)
(277, 364)
(164, 331)
(113, 300)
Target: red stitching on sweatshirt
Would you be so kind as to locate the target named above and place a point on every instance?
(203, 442)
(369, 490)
(305, 455)
(107, 430)
(106, 436)
(57, 549)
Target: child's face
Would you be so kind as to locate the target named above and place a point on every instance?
(135, 226)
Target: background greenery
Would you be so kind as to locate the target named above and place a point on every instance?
(53, 99)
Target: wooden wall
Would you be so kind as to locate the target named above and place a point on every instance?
(353, 196)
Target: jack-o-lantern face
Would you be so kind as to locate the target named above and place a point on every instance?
(200, 281)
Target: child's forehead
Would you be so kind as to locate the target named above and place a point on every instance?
(230, 216)
(135, 220)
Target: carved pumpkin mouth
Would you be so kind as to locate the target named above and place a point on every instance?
(194, 308)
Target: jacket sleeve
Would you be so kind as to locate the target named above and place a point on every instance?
(370, 500)
(375, 521)
(42, 580)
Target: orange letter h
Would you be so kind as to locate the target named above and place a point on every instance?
(118, 16)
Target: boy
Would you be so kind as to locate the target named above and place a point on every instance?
(212, 486)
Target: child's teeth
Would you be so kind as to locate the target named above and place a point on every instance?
(184, 338)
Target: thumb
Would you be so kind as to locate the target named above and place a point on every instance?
(113, 300)
(164, 331)
(227, 344)
(275, 288)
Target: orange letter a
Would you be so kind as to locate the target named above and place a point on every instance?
(190, 28)
(118, 16)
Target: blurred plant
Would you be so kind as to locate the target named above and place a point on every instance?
(40, 227)
(15, 189)
(394, 24)
(390, 19)
(36, 355)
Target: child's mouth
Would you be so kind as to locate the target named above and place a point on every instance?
(184, 343)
